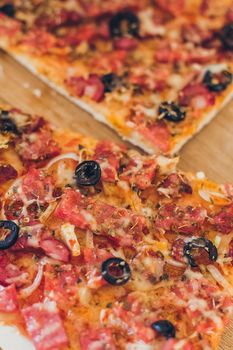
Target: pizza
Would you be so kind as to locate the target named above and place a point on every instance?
(154, 72)
(104, 248)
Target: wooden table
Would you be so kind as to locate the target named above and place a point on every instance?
(211, 150)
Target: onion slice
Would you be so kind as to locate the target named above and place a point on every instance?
(26, 292)
(219, 278)
(70, 155)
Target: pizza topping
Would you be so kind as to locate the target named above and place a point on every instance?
(185, 220)
(171, 112)
(116, 271)
(195, 246)
(92, 87)
(226, 36)
(164, 328)
(197, 96)
(88, 173)
(111, 81)
(44, 326)
(7, 172)
(97, 339)
(124, 24)
(8, 10)
(174, 185)
(55, 249)
(26, 292)
(11, 237)
(7, 125)
(8, 299)
(223, 221)
(217, 82)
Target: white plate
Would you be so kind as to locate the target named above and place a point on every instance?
(10, 338)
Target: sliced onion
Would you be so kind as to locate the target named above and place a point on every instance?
(70, 155)
(46, 214)
(219, 278)
(26, 292)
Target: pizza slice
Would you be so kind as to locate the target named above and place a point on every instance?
(102, 247)
(155, 73)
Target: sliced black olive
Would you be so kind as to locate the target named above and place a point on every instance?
(124, 24)
(226, 36)
(164, 328)
(110, 81)
(8, 10)
(88, 173)
(116, 271)
(200, 243)
(171, 111)
(7, 124)
(217, 81)
(11, 237)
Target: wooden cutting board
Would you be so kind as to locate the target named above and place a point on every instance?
(211, 150)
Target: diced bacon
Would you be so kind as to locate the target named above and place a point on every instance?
(94, 88)
(173, 185)
(36, 186)
(112, 61)
(166, 54)
(8, 26)
(91, 87)
(108, 155)
(158, 134)
(10, 273)
(195, 34)
(223, 221)
(39, 40)
(77, 84)
(8, 299)
(7, 172)
(55, 249)
(185, 220)
(44, 326)
(72, 209)
(175, 8)
(139, 171)
(127, 44)
(97, 339)
(201, 55)
(62, 17)
(193, 93)
(178, 250)
(37, 146)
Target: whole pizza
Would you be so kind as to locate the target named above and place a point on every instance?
(155, 71)
(103, 248)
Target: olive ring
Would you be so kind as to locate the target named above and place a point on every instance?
(214, 84)
(12, 237)
(200, 243)
(88, 173)
(122, 268)
(115, 24)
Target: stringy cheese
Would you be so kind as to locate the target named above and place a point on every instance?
(69, 236)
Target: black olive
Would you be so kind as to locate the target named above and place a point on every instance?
(171, 111)
(8, 10)
(110, 81)
(226, 36)
(10, 238)
(200, 243)
(88, 173)
(7, 124)
(124, 24)
(165, 328)
(217, 81)
(116, 271)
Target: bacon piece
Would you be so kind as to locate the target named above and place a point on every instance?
(92, 87)
(108, 155)
(158, 134)
(39, 40)
(173, 185)
(223, 221)
(197, 96)
(44, 326)
(8, 26)
(97, 339)
(127, 44)
(8, 299)
(139, 171)
(62, 17)
(178, 250)
(55, 249)
(7, 172)
(37, 146)
(10, 273)
(166, 54)
(184, 220)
